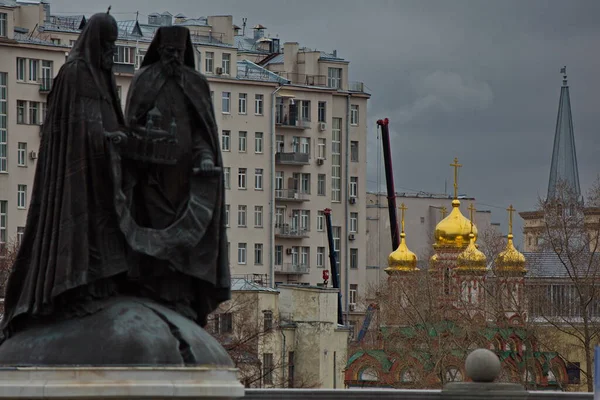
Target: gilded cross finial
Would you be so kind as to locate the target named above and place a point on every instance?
(472, 212)
(456, 166)
(563, 71)
(402, 209)
(510, 210)
(444, 211)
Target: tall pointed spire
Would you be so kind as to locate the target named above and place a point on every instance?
(564, 157)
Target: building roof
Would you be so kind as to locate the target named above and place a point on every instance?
(550, 265)
(26, 39)
(245, 285)
(564, 157)
(201, 21)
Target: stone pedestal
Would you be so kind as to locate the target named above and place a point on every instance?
(117, 383)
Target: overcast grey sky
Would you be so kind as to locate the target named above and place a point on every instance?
(474, 79)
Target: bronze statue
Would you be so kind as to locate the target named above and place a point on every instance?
(124, 253)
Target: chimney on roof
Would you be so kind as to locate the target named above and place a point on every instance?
(259, 31)
(46, 6)
(335, 53)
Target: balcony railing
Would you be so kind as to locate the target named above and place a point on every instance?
(305, 79)
(294, 158)
(120, 68)
(285, 121)
(356, 87)
(290, 195)
(289, 232)
(292, 268)
(46, 85)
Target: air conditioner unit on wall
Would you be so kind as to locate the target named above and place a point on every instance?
(351, 307)
(288, 252)
(320, 161)
(322, 126)
(352, 200)
(219, 71)
(351, 236)
(33, 155)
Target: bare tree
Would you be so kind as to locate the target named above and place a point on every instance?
(8, 255)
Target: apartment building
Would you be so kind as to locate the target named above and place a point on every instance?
(292, 129)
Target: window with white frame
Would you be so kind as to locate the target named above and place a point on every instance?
(34, 108)
(334, 78)
(258, 254)
(227, 177)
(3, 221)
(305, 110)
(21, 69)
(354, 258)
(226, 102)
(259, 104)
(305, 183)
(336, 160)
(353, 295)
(279, 144)
(321, 189)
(22, 154)
(279, 176)
(124, 55)
(279, 216)
(354, 151)
(241, 178)
(3, 122)
(242, 214)
(353, 222)
(321, 143)
(20, 233)
(305, 220)
(242, 141)
(243, 103)
(353, 186)
(209, 62)
(305, 145)
(226, 141)
(227, 212)
(336, 232)
(3, 24)
(320, 257)
(34, 66)
(295, 255)
(278, 255)
(258, 179)
(226, 63)
(320, 221)
(305, 256)
(258, 216)
(354, 114)
(242, 253)
(322, 111)
(21, 196)
(21, 111)
(258, 142)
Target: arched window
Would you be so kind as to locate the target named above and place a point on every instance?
(368, 374)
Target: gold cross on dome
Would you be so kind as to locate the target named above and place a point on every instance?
(456, 166)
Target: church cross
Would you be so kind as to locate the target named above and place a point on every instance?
(444, 211)
(510, 210)
(472, 211)
(402, 209)
(456, 166)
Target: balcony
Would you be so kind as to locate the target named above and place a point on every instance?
(120, 68)
(46, 85)
(292, 269)
(288, 232)
(292, 195)
(356, 87)
(291, 122)
(292, 158)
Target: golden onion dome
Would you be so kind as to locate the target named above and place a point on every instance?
(510, 260)
(402, 259)
(471, 259)
(454, 230)
(434, 259)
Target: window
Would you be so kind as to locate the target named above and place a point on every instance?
(353, 186)
(72, 42)
(226, 63)
(21, 196)
(3, 221)
(243, 103)
(336, 160)
(305, 256)
(353, 293)
(422, 220)
(268, 320)
(353, 114)
(305, 145)
(336, 232)
(223, 323)
(3, 122)
(34, 108)
(353, 222)
(33, 70)
(258, 104)
(20, 233)
(305, 183)
(279, 180)
(125, 55)
(258, 216)
(258, 254)
(226, 141)
(320, 221)
(334, 78)
(353, 258)
(280, 145)
(227, 177)
(22, 154)
(258, 142)
(305, 110)
(320, 257)
(305, 220)
(227, 212)
(258, 179)
(322, 111)
(3, 24)
(354, 151)
(241, 253)
(21, 111)
(55, 41)
(242, 211)
(243, 142)
(209, 58)
(267, 368)
(21, 68)
(278, 254)
(241, 178)
(226, 102)
(321, 184)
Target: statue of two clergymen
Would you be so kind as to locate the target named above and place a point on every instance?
(124, 254)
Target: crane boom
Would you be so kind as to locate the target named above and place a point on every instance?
(335, 274)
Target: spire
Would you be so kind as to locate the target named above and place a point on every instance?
(564, 157)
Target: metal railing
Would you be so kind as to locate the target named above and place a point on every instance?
(356, 87)
(305, 79)
(283, 120)
(291, 195)
(295, 158)
(291, 268)
(46, 84)
(287, 231)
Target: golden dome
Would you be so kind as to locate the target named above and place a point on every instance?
(471, 259)
(454, 230)
(434, 259)
(510, 260)
(402, 259)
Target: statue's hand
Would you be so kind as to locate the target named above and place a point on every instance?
(207, 168)
(117, 137)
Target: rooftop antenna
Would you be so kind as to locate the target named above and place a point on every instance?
(244, 26)
(137, 14)
(563, 71)
(108, 11)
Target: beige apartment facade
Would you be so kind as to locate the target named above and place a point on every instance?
(292, 131)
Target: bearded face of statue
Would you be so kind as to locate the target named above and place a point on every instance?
(171, 58)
